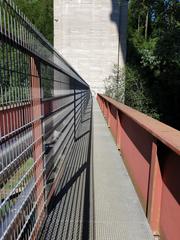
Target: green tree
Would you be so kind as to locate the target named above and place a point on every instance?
(154, 57)
(40, 12)
(115, 84)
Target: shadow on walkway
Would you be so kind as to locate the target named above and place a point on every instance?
(70, 213)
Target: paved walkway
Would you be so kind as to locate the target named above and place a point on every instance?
(118, 214)
(96, 199)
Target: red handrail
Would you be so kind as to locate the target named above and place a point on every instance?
(151, 153)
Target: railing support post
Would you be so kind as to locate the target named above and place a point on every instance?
(106, 109)
(103, 107)
(119, 130)
(38, 146)
(155, 191)
(74, 112)
(101, 104)
(108, 115)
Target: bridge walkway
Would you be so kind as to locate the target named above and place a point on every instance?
(117, 211)
(95, 199)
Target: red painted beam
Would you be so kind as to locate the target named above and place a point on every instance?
(14, 117)
(38, 146)
(155, 191)
(151, 153)
(166, 134)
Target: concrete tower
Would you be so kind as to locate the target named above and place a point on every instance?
(91, 36)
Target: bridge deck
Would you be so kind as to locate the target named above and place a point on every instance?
(117, 210)
(95, 199)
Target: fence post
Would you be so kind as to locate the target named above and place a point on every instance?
(119, 130)
(2, 133)
(74, 111)
(108, 115)
(105, 109)
(101, 104)
(38, 146)
(155, 191)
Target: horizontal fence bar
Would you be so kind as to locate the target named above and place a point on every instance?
(151, 153)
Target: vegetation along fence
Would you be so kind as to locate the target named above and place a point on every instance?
(42, 100)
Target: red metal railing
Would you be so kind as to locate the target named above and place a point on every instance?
(151, 152)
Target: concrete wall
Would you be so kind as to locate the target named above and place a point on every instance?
(87, 33)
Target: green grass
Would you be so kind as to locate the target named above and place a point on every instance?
(12, 182)
(16, 177)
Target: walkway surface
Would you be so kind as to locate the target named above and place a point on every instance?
(71, 211)
(96, 199)
(117, 211)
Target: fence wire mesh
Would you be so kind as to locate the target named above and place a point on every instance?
(42, 100)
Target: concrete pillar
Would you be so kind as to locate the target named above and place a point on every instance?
(87, 33)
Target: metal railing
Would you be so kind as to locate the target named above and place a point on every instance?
(151, 152)
(42, 100)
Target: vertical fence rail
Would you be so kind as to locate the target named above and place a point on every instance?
(155, 191)
(42, 100)
(151, 153)
(38, 146)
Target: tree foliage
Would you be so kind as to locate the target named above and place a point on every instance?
(153, 59)
(40, 12)
(156, 55)
(115, 84)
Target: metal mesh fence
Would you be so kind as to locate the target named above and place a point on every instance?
(42, 100)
